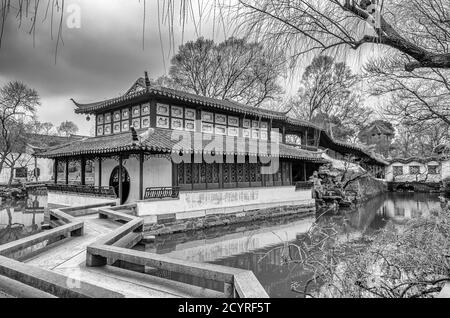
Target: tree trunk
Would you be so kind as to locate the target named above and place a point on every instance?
(11, 177)
(2, 162)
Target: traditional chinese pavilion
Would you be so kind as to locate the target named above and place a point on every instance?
(134, 147)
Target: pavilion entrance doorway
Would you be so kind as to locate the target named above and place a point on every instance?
(114, 182)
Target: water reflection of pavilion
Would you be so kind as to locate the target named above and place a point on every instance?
(208, 250)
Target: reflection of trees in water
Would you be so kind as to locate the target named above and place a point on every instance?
(14, 231)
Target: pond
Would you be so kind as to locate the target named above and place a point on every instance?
(19, 219)
(259, 246)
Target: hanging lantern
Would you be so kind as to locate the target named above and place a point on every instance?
(88, 118)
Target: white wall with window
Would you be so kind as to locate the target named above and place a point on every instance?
(412, 171)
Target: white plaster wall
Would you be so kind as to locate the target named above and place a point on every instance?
(406, 177)
(445, 170)
(200, 203)
(45, 165)
(69, 199)
(157, 173)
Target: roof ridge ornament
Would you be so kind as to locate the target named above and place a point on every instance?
(147, 81)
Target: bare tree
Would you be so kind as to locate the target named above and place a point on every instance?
(67, 128)
(18, 104)
(416, 97)
(418, 28)
(235, 69)
(328, 97)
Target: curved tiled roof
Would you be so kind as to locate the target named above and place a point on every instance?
(413, 159)
(162, 141)
(180, 96)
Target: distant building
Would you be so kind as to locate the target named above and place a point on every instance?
(24, 169)
(379, 134)
(428, 170)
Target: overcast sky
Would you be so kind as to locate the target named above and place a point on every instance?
(100, 60)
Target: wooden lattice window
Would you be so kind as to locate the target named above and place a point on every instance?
(21, 172)
(180, 168)
(226, 172)
(209, 173)
(215, 173)
(188, 173)
(398, 171)
(240, 172)
(414, 170)
(202, 168)
(195, 171)
(233, 173)
(258, 173)
(253, 168)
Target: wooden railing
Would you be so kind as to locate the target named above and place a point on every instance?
(304, 185)
(83, 189)
(161, 193)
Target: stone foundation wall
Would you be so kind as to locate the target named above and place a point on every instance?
(415, 186)
(169, 226)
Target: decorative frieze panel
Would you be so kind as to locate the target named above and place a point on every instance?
(207, 117)
(162, 122)
(162, 109)
(177, 111)
(177, 124)
(189, 114)
(145, 122)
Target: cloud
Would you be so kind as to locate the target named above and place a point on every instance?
(100, 60)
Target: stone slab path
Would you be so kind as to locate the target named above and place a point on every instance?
(69, 256)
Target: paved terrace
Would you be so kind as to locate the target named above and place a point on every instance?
(75, 259)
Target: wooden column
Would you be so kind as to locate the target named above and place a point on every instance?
(291, 179)
(35, 169)
(83, 171)
(55, 171)
(120, 178)
(99, 172)
(304, 172)
(141, 176)
(67, 171)
(221, 175)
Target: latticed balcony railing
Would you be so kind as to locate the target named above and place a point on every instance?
(162, 193)
(83, 189)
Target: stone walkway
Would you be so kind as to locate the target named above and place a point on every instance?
(69, 257)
